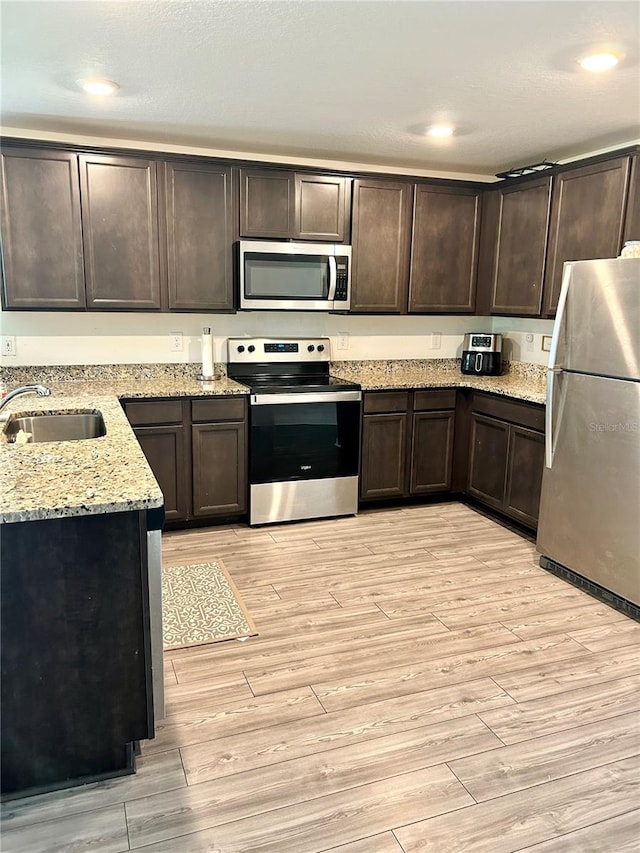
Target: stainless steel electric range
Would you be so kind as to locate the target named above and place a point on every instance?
(304, 429)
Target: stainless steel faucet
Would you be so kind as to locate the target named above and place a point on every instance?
(40, 390)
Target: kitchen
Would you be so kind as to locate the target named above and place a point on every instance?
(341, 726)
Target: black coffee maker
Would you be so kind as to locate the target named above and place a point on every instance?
(482, 354)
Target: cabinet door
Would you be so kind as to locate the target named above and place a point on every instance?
(432, 452)
(525, 464)
(266, 203)
(120, 230)
(219, 469)
(380, 237)
(587, 218)
(444, 249)
(41, 230)
(488, 460)
(632, 217)
(384, 442)
(320, 202)
(519, 239)
(199, 237)
(164, 447)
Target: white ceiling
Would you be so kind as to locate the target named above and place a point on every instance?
(350, 81)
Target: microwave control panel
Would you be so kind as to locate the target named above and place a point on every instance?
(342, 278)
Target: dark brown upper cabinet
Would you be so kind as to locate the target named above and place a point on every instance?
(381, 233)
(199, 229)
(444, 250)
(514, 238)
(42, 261)
(120, 231)
(321, 204)
(587, 219)
(287, 204)
(632, 218)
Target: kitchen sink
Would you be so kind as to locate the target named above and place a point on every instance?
(61, 426)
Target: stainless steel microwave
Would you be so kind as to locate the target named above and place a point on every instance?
(281, 276)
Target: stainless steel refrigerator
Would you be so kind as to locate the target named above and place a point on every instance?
(590, 506)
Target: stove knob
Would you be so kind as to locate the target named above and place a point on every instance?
(311, 347)
(320, 347)
(252, 348)
(240, 348)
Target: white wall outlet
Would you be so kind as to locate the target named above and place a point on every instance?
(176, 342)
(546, 343)
(436, 340)
(529, 339)
(343, 340)
(8, 345)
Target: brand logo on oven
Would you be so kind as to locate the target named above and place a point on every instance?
(305, 467)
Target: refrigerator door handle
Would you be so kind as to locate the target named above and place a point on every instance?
(548, 418)
(559, 322)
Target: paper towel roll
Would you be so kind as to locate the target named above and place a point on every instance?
(207, 354)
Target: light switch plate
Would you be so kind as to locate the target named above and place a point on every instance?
(343, 340)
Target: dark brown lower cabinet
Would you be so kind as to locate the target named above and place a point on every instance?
(197, 450)
(432, 455)
(384, 439)
(219, 469)
(407, 443)
(76, 667)
(488, 460)
(525, 464)
(164, 447)
(506, 458)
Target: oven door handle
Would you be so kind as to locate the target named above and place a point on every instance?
(333, 279)
(289, 399)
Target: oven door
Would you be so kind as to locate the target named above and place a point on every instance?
(304, 436)
(304, 454)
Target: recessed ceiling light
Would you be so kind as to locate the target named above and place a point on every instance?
(98, 86)
(440, 131)
(600, 62)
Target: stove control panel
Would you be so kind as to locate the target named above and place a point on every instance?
(242, 350)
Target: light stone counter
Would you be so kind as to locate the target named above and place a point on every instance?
(111, 474)
(521, 381)
(92, 476)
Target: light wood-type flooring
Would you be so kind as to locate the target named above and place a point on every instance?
(419, 684)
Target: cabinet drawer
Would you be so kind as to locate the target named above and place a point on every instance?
(425, 401)
(529, 415)
(218, 409)
(386, 401)
(149, 412)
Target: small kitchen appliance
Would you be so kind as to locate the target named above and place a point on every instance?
(482, 354)
(280, 276)
(304, 429)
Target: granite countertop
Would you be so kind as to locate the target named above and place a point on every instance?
(92, 476)
(111, 474)
(70, 478)
(520, 381)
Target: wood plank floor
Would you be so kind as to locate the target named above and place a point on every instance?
(418, 684)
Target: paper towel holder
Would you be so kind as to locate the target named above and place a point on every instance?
(208, 367)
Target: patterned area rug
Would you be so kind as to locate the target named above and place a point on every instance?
(200, 604)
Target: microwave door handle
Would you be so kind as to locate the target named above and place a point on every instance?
(333, 278)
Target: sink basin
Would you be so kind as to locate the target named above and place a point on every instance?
(62, 426)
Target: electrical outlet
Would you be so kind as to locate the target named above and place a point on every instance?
(343, 340)
(8, 345)
(176, 343)
(529, 339)
(436, 340)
